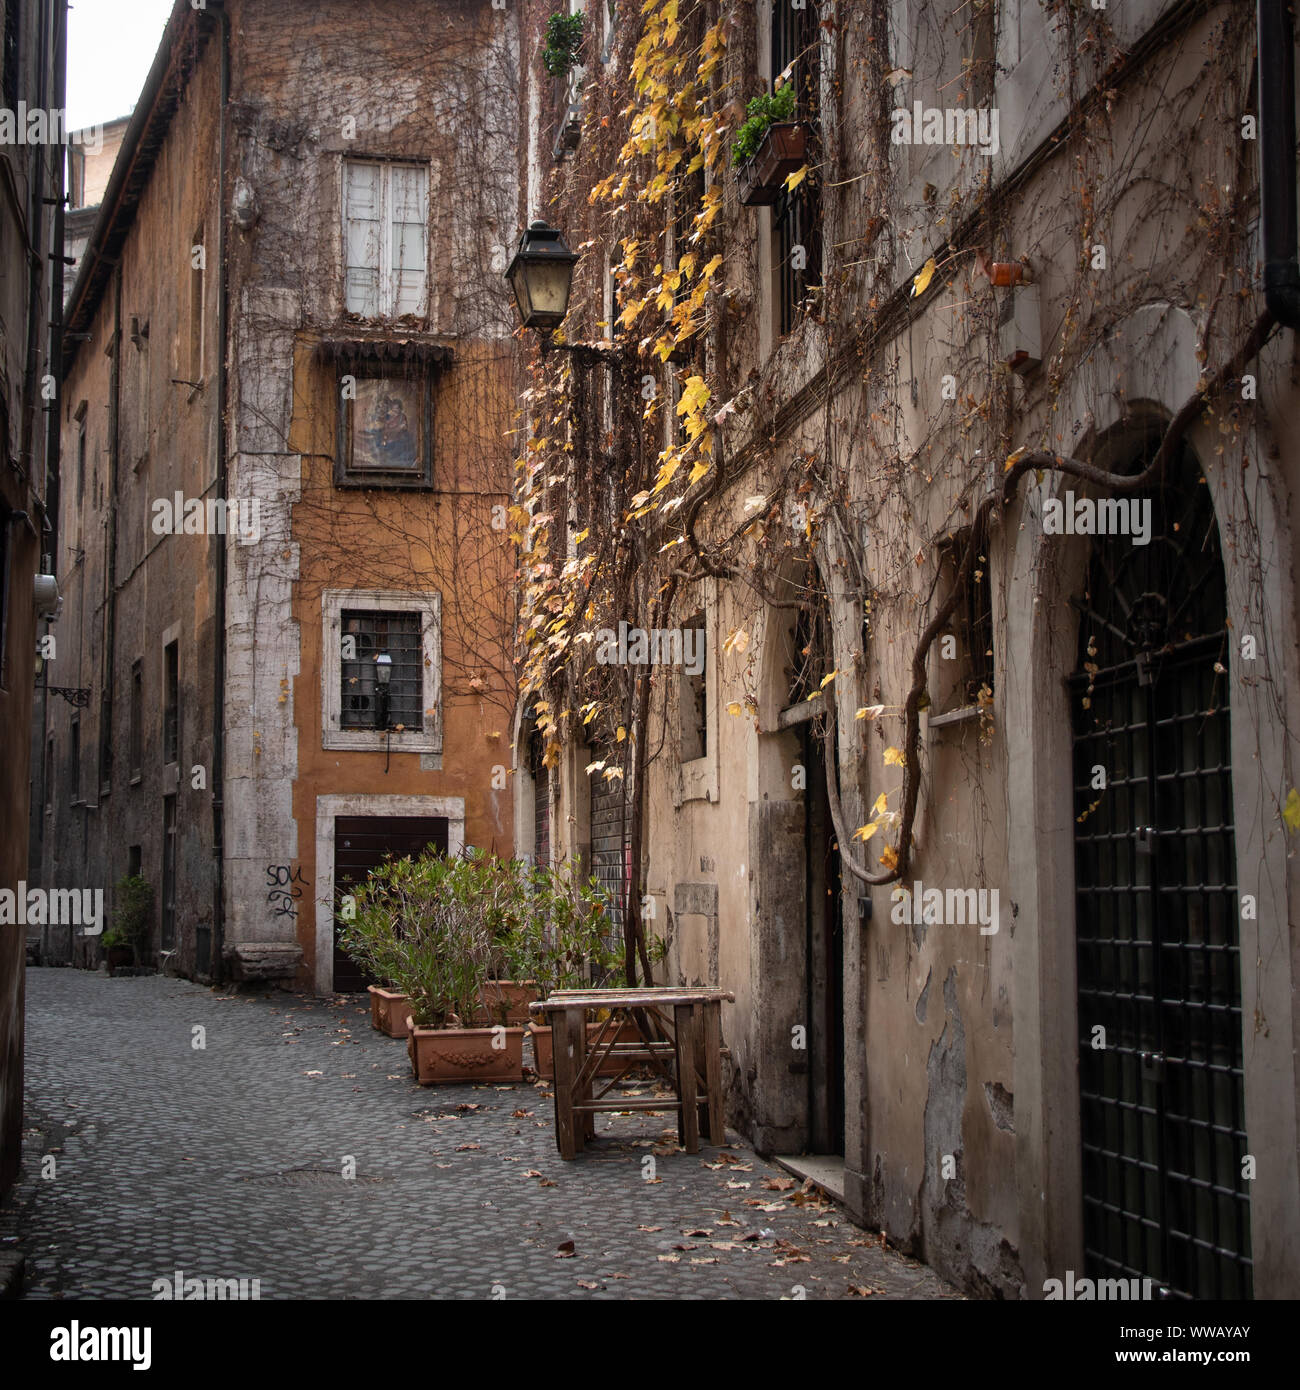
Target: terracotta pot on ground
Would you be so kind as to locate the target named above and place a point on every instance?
(544, 1048)
(783, 151)
(442, 1055)
(388, 1011)
(512, 996)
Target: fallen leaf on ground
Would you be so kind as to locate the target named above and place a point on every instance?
(465, 1148)
(778, 1184)
(670, 1259)
(565, 1250)
(649, 1228)
(588, 1284)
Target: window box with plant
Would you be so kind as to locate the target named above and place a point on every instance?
(769, 147)
(563, 41)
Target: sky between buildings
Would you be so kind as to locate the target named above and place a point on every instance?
(111, 44)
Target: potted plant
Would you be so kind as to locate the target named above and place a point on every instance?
(369, 941)
(126, 942)
(564, 944)
(117, 951)
(506, 901)
(769, 147)
(422, 922)
(563, 40)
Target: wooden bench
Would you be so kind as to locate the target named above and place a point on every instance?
(690, 1061)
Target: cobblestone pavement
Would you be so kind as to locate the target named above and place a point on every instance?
(227, 1162)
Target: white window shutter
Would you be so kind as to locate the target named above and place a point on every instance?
(362, 224)
(408, 203)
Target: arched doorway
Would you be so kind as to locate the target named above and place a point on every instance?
(1157, 925)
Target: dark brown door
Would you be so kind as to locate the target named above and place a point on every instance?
(825, 960)
(362, 843)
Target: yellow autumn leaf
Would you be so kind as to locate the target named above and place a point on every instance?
(620, 735)
(826, 680)
(878, 809)
(582, 535)
(796, 179)
(865, 832)
(870, 712)
(923, 277)
(734, 707)
(698, 471)
(893, 757)
(889, 857)
(1013, 459)
(1291, 811)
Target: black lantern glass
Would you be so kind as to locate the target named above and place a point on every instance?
(541, 276)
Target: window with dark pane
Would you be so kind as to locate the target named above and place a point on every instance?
(959, 680)
(372, 634)
(171, 702)
(796, 217)
(695, 698)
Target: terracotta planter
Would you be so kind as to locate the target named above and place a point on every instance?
(442, 1055)
(388, 1011)
(544, 1048)
(512, 996)
(783, 151)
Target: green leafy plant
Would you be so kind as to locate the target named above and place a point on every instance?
(763, 112)
(419, 924)
(132, 922)
(563, 939)
(563, 39)
(439, 928)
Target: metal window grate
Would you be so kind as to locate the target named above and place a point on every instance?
(796, 217)
(372, 633)
(1157, 912)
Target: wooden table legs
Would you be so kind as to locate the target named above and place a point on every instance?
(569, 1037)
(688, 1123)
(697, 1053)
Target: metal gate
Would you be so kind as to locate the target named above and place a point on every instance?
(1160, 1047)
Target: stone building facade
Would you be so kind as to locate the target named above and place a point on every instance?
(1020, 970)
(32, 59)
(285, 398)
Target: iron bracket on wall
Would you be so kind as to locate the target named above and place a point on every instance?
(76, 696)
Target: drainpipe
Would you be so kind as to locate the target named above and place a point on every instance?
(1277, 160)
(217, 963)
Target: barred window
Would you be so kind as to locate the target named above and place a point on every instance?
(797, 216)
(368, 634)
